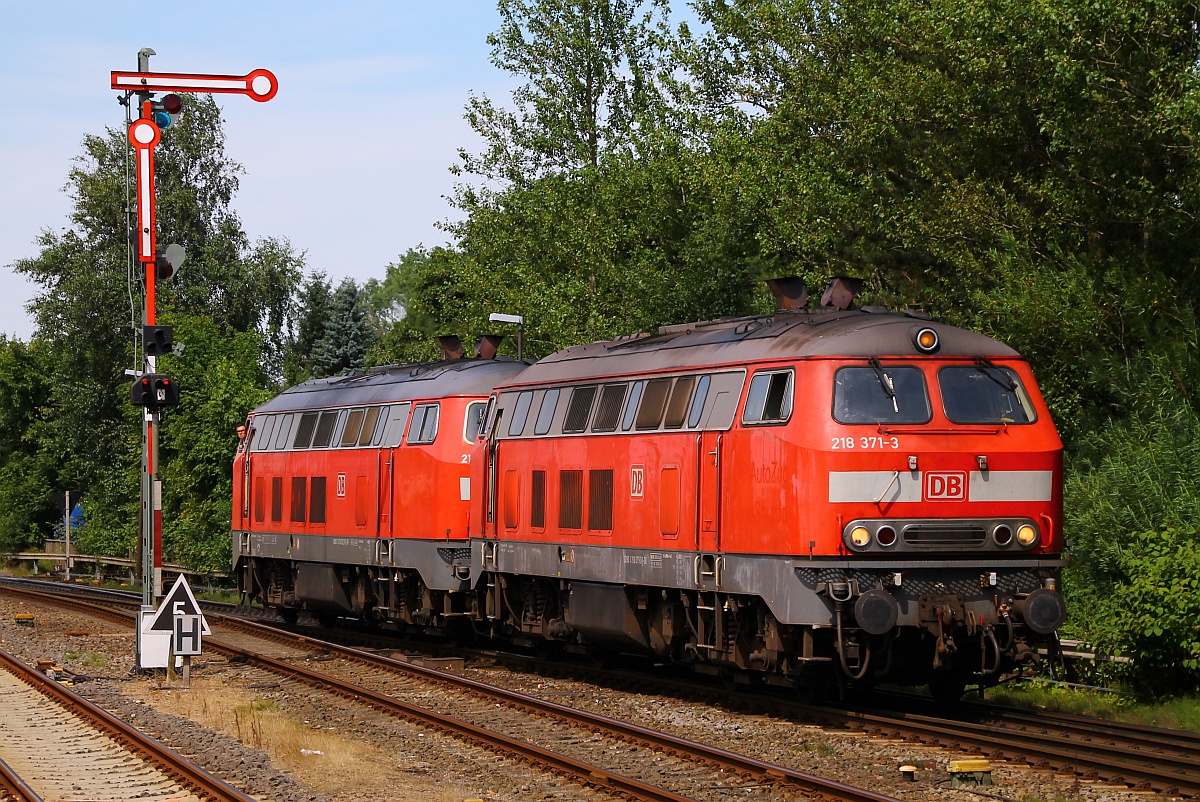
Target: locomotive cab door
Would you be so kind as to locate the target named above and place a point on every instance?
(708, 492)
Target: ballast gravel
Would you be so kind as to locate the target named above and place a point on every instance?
(99, 658)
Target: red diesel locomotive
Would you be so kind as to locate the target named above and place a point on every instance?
(775, 496)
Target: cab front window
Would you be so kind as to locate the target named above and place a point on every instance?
(984, 393)
(877, 393)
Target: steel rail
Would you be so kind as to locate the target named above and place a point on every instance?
(175, 765)
(584, 773)
(13, 787)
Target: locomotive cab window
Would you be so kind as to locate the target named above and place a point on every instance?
(424, 425)
(393, 428)
(474, 420)
(984, 393)
(881, 394)
(770, 398)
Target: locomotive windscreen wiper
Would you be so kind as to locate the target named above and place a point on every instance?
(994, 372)
(885, 381)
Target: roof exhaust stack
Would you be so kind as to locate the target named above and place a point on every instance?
(488, 345)
(451, 347)
(841, 291)
(790, 293)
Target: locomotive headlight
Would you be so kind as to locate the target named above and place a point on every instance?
(860, 536)
(1026, 535)
(926, 341)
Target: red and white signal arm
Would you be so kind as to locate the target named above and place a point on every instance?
(144, 135)
(260, 85)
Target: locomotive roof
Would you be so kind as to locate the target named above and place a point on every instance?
(451, 377)
(800, 333)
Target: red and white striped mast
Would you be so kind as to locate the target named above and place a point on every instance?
(152, 390)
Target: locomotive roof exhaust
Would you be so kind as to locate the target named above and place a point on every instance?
(452, 347)
(488, 345)
(790, 293)
(841, 291)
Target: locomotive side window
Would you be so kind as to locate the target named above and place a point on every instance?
(537, 500)
(600, 500)
(698, 402)
(276, 498)
(880, 394)
(650, 411)
(282, 431)
(368, 427)
(609, 410)
(635, 396)
(546, 412)
(474, 420)
(512, 489)
(520, 414)
(984, 393)
(579, 409)
(424, 425)
(304, 433)
(260, 505)
(677, 407)
(770, 398)
(299, 498)
(570, 499)
(394, 429)
(324, 429)
(353, 428)
(316, 500)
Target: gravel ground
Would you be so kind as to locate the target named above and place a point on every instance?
(417, 764)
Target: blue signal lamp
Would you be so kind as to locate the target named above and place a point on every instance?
(165, 111)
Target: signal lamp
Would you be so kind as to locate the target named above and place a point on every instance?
(1026, 535)
(859, 536)
(927, 341)
(1002, 534)
(164, 111)
(885, 535)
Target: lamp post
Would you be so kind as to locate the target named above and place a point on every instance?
(497, 317)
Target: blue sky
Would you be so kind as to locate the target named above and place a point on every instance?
(350, 161)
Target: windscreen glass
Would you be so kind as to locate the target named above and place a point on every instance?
(881, 394)
(984, 393)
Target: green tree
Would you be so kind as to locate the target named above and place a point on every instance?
(593, 82)
(347, 335)
(28, 472)
(88, 310)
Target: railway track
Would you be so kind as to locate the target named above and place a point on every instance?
(649, 753)
(1138, 757)
(60, 745)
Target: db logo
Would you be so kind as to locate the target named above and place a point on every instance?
(637, 481)
(945, 486)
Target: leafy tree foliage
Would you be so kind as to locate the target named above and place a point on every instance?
(86, 281)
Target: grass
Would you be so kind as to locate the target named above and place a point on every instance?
(1176, 714)
(322, 759)
(90, 659)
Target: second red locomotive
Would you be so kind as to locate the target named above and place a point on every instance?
(864, 491)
